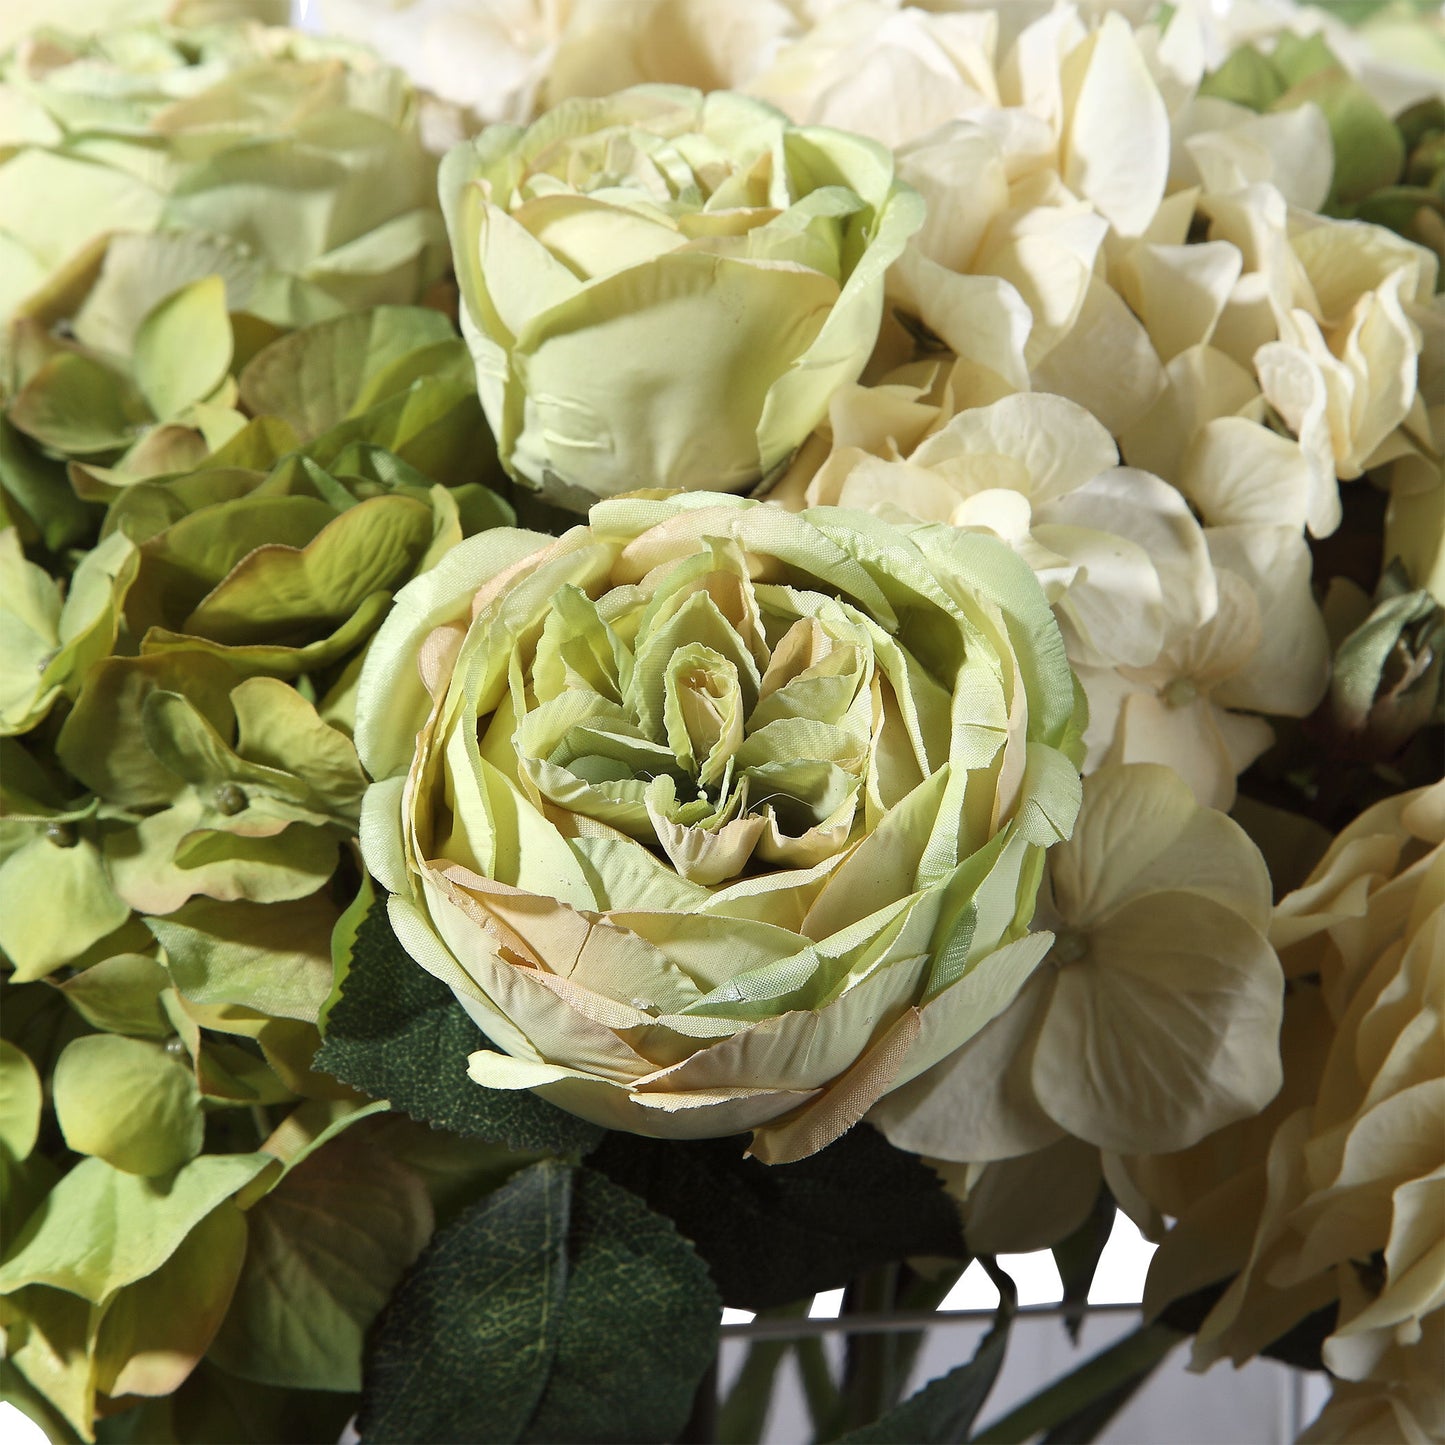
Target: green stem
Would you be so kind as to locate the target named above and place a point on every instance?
(742, 1416)
(1133, 1356)
(818, 1386)
(921, 1293)
(869, 1371)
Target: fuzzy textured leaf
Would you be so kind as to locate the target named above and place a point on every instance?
(776, 1233)
(398, 1033)
(558, 1308)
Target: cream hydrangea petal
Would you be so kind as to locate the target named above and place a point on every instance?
(982, 319)
(1029, 75)
(1040, 445)
(1231, 147)
(1227, 641)
(1138, 508)
(1132, 815)
(1180, 292)
(1382, 348)
(1173, 48)
(605, 47)
(1239, 473)
(1139, 833)
(1202, 383)
(1106, 362)
(1115, 148)
(1114, 604)
(1345, 261)
(1294, 386)
(1177, 1009)
(1186, 737)
(1027, 1203)
(1106, 690)
(891, 73)
(960, 172)
(1286, 675)
(1047, 255)
(977, 1104)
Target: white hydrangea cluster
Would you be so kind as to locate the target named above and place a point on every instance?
(1100, 232)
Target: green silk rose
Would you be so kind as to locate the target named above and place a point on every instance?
(716, 817)
(664, 289)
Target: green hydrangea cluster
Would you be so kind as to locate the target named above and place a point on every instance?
(228, 434)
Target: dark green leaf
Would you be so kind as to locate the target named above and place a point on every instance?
(559, 1308)
(944, 1410)
(772, 1234)
(397, 1033)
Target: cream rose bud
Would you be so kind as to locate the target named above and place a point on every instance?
(717, 817)
(664, 289)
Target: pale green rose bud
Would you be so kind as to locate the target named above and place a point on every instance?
(664, 289)
(716, 817)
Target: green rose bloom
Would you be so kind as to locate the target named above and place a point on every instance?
(716, 817)
(663, 289)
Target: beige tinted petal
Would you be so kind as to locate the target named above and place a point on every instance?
(1179, 291)
(1286, 675)
(1294, 385)
(1237, 472)
(1042, 446)
(1115, 148)
(1166, 1030)
(1028, 1203)
(1140, 832)
(1186, 737)
(1201, 383)
(977, 1102)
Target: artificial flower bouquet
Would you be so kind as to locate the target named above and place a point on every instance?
(703, 654)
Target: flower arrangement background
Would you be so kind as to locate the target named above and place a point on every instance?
(700, 655)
